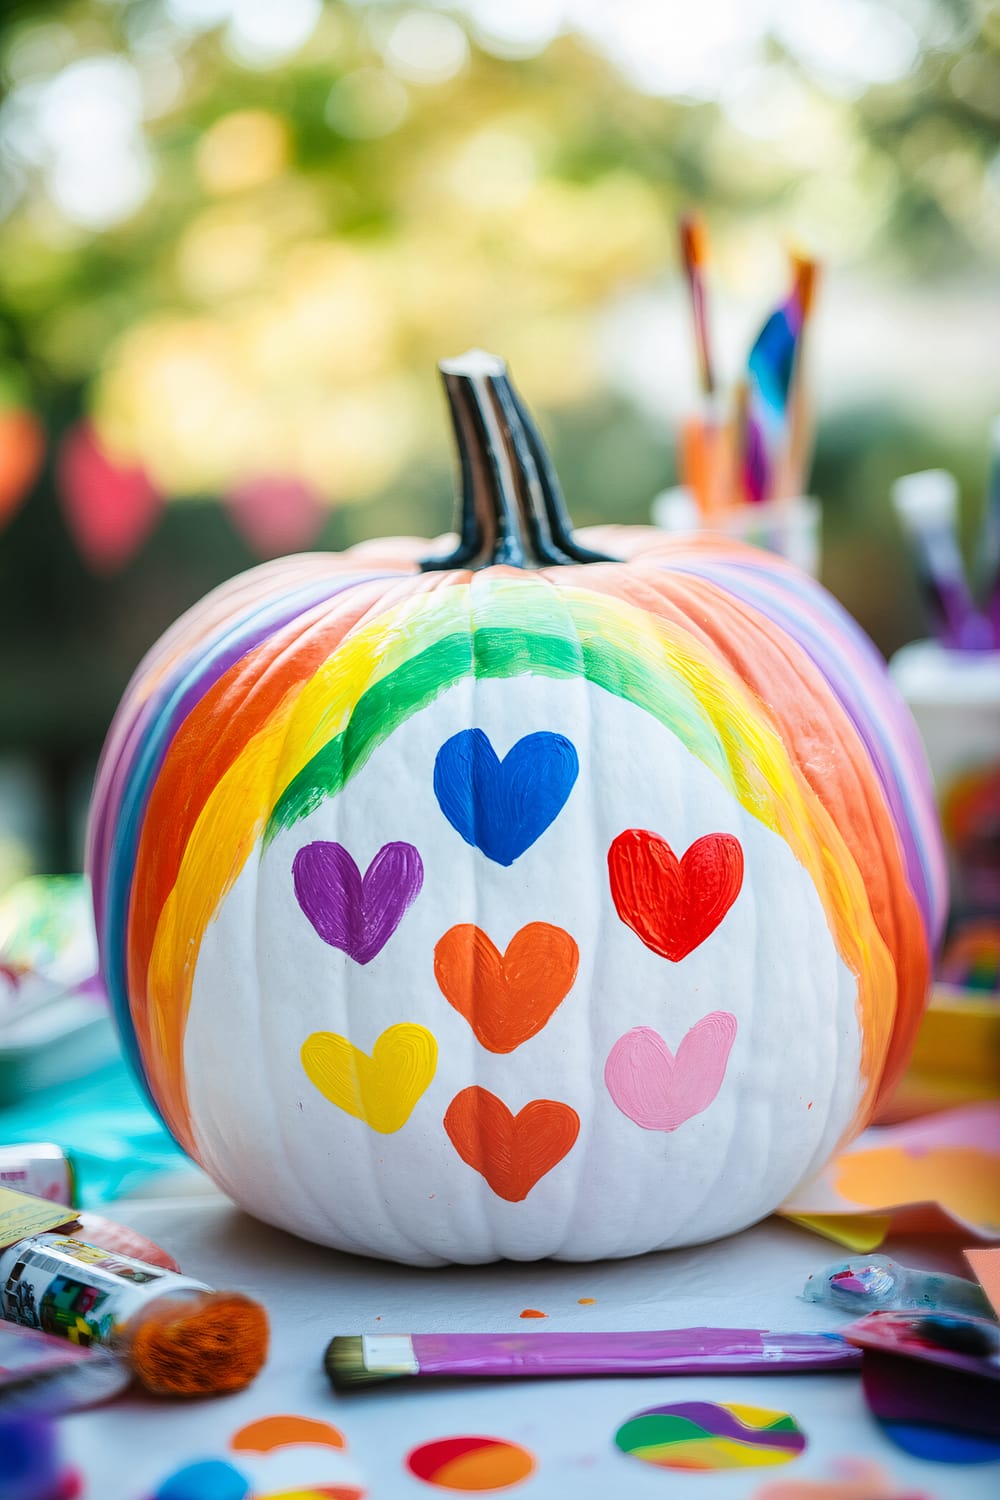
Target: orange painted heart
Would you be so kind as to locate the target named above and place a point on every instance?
(512, 1152)
(506, 997)
(674, 904)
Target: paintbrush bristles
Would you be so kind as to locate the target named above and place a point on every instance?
(212, 1343)
(806, 272)
(694, 240)
(344, 1363)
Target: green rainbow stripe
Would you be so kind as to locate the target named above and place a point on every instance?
(489, 653)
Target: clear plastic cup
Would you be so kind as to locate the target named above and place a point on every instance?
(790, 528)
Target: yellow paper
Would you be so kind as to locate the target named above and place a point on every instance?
(861, 1232)
(21, 1215)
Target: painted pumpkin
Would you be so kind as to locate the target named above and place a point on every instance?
(561, 896)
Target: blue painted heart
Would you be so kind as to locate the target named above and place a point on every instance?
(357, 915)
(502, 806)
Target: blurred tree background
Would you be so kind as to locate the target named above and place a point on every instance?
(237, 235)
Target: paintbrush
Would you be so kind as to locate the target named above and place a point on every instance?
(989, 546)
(800, 415)
(694, 255)
(774, 410)
(370, 1359)
(701, 457)
(927, 505)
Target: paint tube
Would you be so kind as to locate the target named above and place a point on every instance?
(178, 1336)
(870, 1283)
(80, 1292)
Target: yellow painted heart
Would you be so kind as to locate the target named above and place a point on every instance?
(382, 1089)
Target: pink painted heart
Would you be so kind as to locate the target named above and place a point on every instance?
(659, 1089)
(356, 914)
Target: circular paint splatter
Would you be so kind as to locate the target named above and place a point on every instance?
(270, 1433)
(471, 1463)
(211, 1479)
(709, 1435)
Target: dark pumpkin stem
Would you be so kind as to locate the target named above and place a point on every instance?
(511, 507)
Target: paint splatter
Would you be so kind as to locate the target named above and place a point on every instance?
(502, 806)
(674, 904)
(659, 1089)
(280, 1457)
(512, 1152)
(471, 1463)
(211, 1479)
(699, 1435)
(270, 1433)
(854, 1479)
(532, 1312)
(356, 914)
(507, 998)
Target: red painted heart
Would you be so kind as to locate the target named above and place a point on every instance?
(674, 904)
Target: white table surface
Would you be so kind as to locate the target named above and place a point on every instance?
(751, 1280)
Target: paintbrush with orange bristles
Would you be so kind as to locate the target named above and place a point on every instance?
(702, 442)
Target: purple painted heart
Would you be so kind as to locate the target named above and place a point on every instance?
(357, 914)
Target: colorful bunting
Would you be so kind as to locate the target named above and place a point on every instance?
(22, 447)
(276, 514)
(109, 508)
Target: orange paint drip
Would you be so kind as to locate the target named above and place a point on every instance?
(212, 1344)
(532, 1312)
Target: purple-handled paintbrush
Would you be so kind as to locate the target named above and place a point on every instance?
(367, 1359)
(927, 505)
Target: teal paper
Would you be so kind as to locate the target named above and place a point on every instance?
(103, 1121)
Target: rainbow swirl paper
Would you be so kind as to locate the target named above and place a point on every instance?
(700, 1435)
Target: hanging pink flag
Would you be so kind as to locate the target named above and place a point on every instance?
(276, 514)
(22, 447)
(109, 508)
